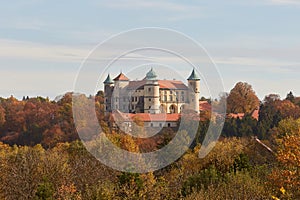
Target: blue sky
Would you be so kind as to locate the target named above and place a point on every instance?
(42, 43)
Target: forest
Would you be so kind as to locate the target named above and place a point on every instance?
(42, 157)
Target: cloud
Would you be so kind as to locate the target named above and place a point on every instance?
(145, 4)
(20, 50)
(172, 11)
(284, 2)
(267, 2)
(252, 61)
(258, 53)
(37, 51)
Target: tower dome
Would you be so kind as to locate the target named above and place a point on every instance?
(151, 75)
(194, 76)
(108, 80)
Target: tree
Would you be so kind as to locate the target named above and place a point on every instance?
(14, 115)
(240, 127)
(288, 109)
(269, 116)
(290, 97)
(242, 99)
(2, 116)
(45, 191)
(287, 174)
(272, 111)
(271, 98)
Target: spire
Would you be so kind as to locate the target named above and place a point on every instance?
(108, 80)
(151, 75)
(194, 76)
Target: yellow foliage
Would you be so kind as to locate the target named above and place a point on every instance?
(287, 174)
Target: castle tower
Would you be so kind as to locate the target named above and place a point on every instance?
(151, 93)
(194, 91)
(120, 96)
(108, 90)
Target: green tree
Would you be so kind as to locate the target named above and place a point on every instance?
(45, 191)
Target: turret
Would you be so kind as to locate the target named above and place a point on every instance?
(120, 95)
(151, 93)
(108, 90)
(194, 91)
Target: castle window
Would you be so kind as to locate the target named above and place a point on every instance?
(151, 125)
(182, 98)
(135, 98)
(165, 92)
(160, 124)
(132, 98)
(169, 125)
(149, 99)
(165, 98)
(171, 92)
(171, 97)
(149, 89)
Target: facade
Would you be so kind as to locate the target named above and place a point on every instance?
(151, 95)
(125, 121)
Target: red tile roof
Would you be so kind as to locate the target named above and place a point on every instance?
(163, 84)
(121, 77)
(161, 117)
(237, 115)
(146, 117)
(255, 115)
(172, 84)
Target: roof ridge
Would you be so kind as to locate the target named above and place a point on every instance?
(121, 77)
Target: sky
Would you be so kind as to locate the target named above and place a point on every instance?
(43, 43)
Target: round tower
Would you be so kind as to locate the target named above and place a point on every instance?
(194, 91)
(108, 90)
(151, 93)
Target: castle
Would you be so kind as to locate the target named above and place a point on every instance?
(151, 95)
